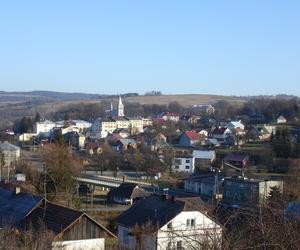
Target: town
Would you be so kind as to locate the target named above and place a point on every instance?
(220, 175)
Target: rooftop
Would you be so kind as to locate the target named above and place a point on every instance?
(158, 210)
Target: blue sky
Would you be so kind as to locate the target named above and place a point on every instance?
(215, 47)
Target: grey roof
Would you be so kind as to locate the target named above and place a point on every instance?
(129, 191)
(56, 218)
(157, 210)
(127, 141)
(14, 207)
(204, 154)
(7, 146)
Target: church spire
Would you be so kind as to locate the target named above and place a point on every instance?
(120, 107)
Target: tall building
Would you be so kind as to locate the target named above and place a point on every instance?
(120, 108)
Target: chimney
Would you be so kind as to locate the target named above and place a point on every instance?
(17, 190)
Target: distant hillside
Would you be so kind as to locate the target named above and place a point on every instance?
(185, 100)
(15, 105)
(44, 96)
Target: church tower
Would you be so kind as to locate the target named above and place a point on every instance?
(120, 108)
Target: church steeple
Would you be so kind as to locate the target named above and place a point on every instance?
(120, 108)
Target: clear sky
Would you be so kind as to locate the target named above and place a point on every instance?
(215, 47)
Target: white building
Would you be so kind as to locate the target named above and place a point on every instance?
(183, 162)
(233, 125)
(168, 116)
(281, 120)
(25, 137)
(43, 127)
(11, 155)
(167, 223)
(81, 125)
(103, 127)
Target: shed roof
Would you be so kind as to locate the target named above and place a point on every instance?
(14, 207)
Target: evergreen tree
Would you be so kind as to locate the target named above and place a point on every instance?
(37, 117)
(25, 125)
(275, 198)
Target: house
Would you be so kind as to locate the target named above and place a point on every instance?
(233, 125)
(192, 119)
(43, 127)
(127, 193)
(122, 132)
(212, 143)
(239, 132)
(207, 108)
(25, 137)
(162, 222)
(81, 125)
(155, 142)
(239, 160)
(168, 116)
(243, 191)
(68, 228)
(220, 133)
(281, 120)
(203, 132)
(147, 122)
(11, 155)
(125, 144)
(74, 139)
(191, 138)
(258, 133)
(204, 158)
(205, 183)
(183, 162)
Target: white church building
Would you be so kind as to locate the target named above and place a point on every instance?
(102, 127)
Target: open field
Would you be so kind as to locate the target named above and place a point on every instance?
(186, 100)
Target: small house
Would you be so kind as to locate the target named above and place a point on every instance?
(162, 222)
(191, 138)
(127, 193)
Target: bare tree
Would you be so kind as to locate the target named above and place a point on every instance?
(61, 168)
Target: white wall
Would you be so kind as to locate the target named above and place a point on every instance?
(90, 244)
(182, 164)
(43, 127)
(191, 237)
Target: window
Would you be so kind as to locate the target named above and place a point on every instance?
(179, 245)
(177, 161)
(193, 222)
(170, 226)
(187, 161)
(187, 167)
(188, 222)
(176, 167)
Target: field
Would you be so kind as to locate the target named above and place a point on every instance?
(185, 100)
